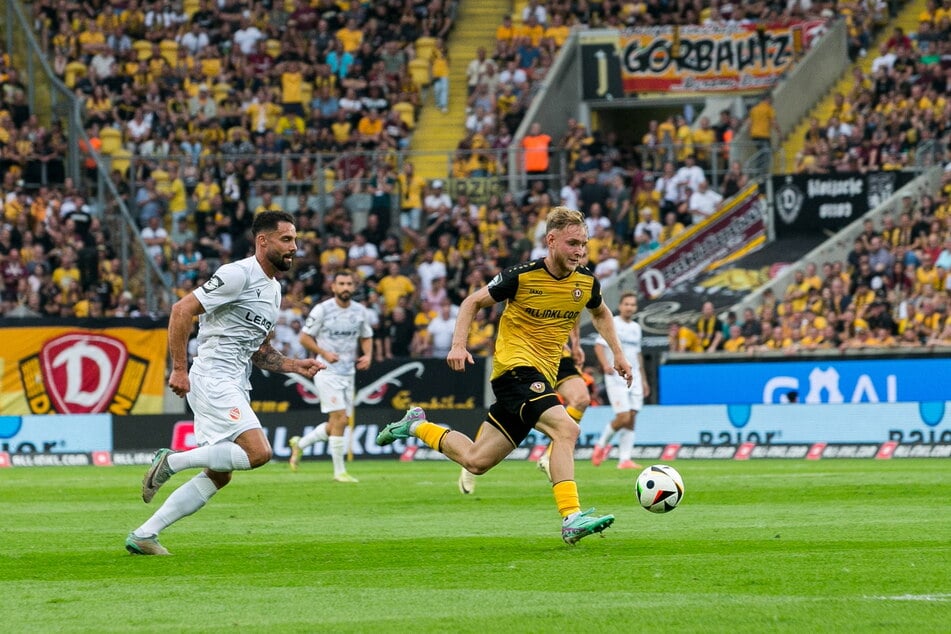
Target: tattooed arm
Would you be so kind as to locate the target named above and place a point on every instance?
(267, 358)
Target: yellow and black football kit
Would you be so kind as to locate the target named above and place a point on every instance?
(540, 312)
(567, 368)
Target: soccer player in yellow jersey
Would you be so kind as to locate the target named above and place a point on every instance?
(544, 301)
(573, 393)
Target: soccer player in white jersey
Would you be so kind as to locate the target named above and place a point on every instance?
(237, 309)
(625, 401)
(333, 331)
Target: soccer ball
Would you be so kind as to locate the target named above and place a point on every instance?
(660, 488)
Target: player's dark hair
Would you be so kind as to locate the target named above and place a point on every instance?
(343, 273)
(269, 220)
(627, 294)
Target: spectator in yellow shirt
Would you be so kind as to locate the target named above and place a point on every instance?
(557, 31)
(440, 74)
(393, 286)
(370, 128)
(506, 31)
(682, 339)
(481, 338)
(350, 37)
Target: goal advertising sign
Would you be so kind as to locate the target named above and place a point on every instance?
(806, 380)
(62, 367)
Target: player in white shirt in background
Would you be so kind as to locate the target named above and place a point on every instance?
(237, 309)
(625, 401)
(334, 331)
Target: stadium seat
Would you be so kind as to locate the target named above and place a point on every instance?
(424, 46)
(306, 94)
(189, 7)
(143, 49)
(169, 49)
(74, 71)
(407, 113)
(220, 91)
(211, 67)
(419, 71)
(121, 160)
(111, 140)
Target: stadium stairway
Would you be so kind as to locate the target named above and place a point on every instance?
(907, 18)
(437, 134)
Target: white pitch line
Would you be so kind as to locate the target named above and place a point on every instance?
(915, 597)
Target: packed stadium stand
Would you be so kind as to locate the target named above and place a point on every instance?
(208, 112)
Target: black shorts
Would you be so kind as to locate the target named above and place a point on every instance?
(521, 396)
(567, 370)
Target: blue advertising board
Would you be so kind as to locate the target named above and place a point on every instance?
(813, 381)
(70, 433)
(772, 424)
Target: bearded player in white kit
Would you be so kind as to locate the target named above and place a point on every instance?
(626, 401)
(333, 331)
(237, 308)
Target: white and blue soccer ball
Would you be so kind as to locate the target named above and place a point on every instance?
(659, 488)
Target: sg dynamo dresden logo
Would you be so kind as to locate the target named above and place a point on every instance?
(82, 373)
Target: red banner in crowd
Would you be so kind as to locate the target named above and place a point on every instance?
(707, 58)
(738, 228)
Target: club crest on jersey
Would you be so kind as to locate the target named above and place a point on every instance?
(538, 387)
(576, 294)
(213, 282)
(234, 413)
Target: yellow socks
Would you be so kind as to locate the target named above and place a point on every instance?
(566, 497)
(431, 434)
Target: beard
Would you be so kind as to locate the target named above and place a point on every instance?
(344, 296)
(281, 262)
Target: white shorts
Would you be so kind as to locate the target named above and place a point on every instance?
(622, 397)
(222, 409)
(335, 391)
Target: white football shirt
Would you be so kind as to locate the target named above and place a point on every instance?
(629, 335)
(241, 306)
(338, 330)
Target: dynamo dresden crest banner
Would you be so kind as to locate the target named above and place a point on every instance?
(59, 367)
(693, 58)
(737, 229)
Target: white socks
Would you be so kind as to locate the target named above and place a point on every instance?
(625, 445)
(183, 501)
(606, 436)
(224, 456)
(336, 444)
(337, 450)
(317, 434)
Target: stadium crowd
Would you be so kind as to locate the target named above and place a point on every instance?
(196, 88)
(892, 291)
(897, 110)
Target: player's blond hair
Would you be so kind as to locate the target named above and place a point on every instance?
(562, 217)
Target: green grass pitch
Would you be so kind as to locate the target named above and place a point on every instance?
(758, 546)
